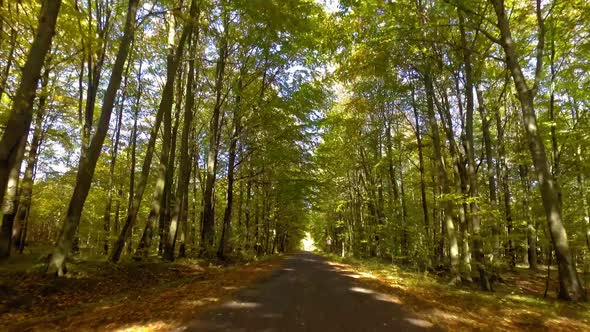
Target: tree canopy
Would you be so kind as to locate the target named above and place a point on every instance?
(443, 135)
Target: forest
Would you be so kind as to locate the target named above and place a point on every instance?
(172, 138)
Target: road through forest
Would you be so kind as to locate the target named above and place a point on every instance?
(307, 293)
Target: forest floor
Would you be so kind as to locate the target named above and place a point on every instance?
(517, 303)
(129, 296)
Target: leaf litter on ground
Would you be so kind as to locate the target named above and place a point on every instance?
(129, 296)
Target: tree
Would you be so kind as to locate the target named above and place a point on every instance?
(569, 284)
(88, 161)
(21, 114)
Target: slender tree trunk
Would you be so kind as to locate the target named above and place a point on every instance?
(531, 230)
(88, 164)
(194, 216)
(422, 171)
(584, 199)
(95, 62)
(113, 161)
(460, 171)
(248, 208)
(168, 196)
(581, 181)
(555, 154)
(185, 167)
(240, 211)
(266, 218)
(438, 237)
(136, 108)
(167, 158)
(21, 114)
(502, 172)
(81, 81)
(404, 214)
(492, 185)
(184, 227)
(9, 60)
(370, 187)
(442, 177)
(10, 204)
(225, 230)
(23, 235)
(27, 182)
(1, 27)
(208, 232)
(257, 223)
(471, 166)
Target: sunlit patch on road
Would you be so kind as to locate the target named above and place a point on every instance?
(387, 298)
(419, 322)
(361, 290)
(240, 305)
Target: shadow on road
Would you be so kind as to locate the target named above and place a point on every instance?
(309, 294)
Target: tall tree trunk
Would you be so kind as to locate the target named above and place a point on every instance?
(581, 182)
(555, 154)
(422, 171)
(531, 229)
(492, 184)
(136, 108)
(88, 164)
(195, 220)
(9, 206)
(184, 227)
(240, 211)
(502, 174)
(1, 27)
(208, 231)
(257, 245)
(95, 61)
(369, 185)
(112, 164)
(460, 172)
(225, 230)
(569, 284)
(168, 196)
(442, 176)
(404, 214)
(247, 212)
(162, 214)
(474, 214)
(9, 60)
(21, 114)
(586, 213)
(185, 167)
(27, 182)
(266, 217)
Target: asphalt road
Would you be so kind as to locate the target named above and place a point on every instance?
(308, 294)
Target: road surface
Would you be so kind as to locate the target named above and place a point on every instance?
(308, 294)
